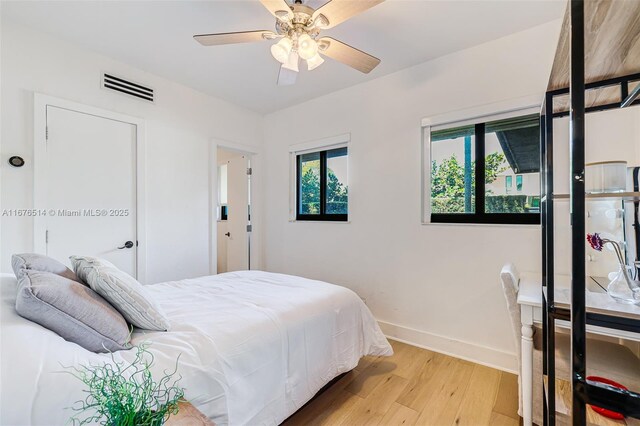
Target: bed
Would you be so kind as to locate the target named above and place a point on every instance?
(254, 347)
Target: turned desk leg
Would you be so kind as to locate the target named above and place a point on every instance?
(526, 371)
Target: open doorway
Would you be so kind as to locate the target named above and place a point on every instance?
(233, 210)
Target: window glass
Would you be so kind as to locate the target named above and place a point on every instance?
(486, 172)
(322, 189)
(453, 170)
(512, 148)
(309, 184)
(337, 191)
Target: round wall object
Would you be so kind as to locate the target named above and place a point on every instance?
(16, 161)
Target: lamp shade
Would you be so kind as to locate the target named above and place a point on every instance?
(314, 62)
(307, 47)
(281, 50)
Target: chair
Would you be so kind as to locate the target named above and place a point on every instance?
(604, 358)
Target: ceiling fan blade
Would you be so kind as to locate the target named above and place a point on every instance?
(278, 8)
(286, 77)
(338, 11)
(231, 38)
(348, 55)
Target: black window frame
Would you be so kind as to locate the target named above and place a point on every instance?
(479, 216)
(322, 216)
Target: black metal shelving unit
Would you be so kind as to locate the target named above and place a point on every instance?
(583, 391)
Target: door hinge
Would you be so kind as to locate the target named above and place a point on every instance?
(249, 228)
(46, 133)
(249, 171)
(46, 236)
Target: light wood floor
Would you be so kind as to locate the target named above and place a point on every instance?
(415, 387)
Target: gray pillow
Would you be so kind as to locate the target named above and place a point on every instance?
(40, 262)
(121, 290)
(72, 310)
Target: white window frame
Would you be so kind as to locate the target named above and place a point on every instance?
(333, 142)
(489, 112)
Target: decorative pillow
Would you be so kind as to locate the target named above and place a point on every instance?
(72, 310)
(40, 262)
(125, 293)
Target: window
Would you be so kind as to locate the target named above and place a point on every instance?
(321, 185)
(508, 183)
(473, 168)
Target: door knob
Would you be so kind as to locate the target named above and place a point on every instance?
(228, 234)
(127, 245)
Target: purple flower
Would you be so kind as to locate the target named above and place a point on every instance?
(595, 241)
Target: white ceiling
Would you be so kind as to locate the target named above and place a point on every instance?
(156, 36)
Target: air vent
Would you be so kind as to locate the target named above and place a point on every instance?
(121, 85)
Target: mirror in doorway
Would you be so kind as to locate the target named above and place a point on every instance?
(222, 192)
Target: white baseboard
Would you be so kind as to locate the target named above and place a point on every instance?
(483, 355)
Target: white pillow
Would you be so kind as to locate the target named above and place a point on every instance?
(126, 294)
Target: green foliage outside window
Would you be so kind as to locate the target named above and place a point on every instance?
(337, 192)
(448, 189)
(310, 188)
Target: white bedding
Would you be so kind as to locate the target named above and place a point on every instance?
(254, 348)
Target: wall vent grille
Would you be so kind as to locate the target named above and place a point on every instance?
(121, 85)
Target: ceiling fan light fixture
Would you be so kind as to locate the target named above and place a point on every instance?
(314, 62)
(321, 22)
(307, 47)
(292, 62)
(282, 15)
(282, 49)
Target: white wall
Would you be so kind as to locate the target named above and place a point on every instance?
(431, 280)
(610, 136)
(179, 129)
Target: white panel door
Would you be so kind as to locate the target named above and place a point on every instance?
(91, 188)
(237, 214)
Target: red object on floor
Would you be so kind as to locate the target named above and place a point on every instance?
(603, 411)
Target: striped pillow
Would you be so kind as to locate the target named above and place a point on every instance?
(126, 294)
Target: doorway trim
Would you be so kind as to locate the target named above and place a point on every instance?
(248, 150)
(40, 103)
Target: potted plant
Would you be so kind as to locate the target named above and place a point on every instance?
(126, 394)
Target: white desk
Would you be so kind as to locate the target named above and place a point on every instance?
(530, 301)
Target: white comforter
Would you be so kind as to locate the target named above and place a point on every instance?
(254, 348)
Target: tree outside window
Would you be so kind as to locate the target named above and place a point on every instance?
(322, 188)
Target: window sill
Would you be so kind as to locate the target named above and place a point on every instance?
(490, 225)
(319, 221)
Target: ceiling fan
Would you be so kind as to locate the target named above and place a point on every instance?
(298, 27)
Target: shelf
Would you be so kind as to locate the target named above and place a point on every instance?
(611, 36)
(563, 408)
(625, 402)
(623, 196)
